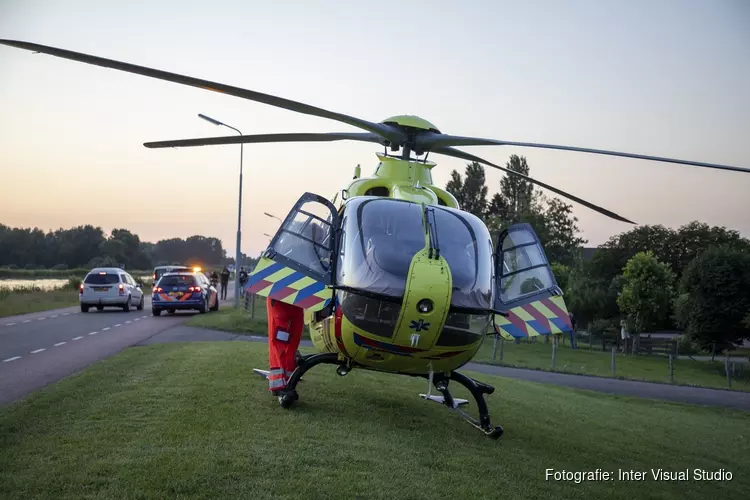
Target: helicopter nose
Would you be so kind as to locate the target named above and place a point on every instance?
(425, 305)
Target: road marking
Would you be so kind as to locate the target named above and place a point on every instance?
(105, 328)
(65, 314)
(60, 343)
(128, 321)
(40, 319)
(118, 324)
(38, 350)
(93, 333)
(9, 324)
(144, 317)
(78, 338)
(27, 321)
(137, 319)
(54, 316)
(11, 359)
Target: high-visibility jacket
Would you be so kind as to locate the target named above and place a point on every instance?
(285, 326)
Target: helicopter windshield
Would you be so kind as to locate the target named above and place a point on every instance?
(466, 245)
(379, 239)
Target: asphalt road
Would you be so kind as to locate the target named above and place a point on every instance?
(40, 348)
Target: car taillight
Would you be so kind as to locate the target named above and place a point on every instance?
(158, 289)
(80, 289)
(194, 289)
(122, 288)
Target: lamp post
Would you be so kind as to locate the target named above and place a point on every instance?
(239, 215)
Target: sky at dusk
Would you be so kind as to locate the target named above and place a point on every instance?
(667, 78)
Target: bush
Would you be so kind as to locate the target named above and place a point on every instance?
(73, 283)
(686, 346)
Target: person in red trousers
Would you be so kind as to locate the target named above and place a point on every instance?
(285, 326)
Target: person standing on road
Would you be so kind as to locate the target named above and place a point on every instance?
(224, 282)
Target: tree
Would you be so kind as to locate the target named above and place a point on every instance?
(517, 193)
(647, 295)
(674, 247)
(561, 273)
(471, 191)
(715, 298)
(554, 222)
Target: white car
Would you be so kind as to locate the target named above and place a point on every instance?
(110, 287)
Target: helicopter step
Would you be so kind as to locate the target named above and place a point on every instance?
(441, 400)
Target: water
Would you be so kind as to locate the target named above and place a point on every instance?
(43, 283)
(49, 283)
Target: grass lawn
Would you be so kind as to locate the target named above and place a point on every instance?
(13, 303)
(191, 421)
(533, 355)
(591, 362)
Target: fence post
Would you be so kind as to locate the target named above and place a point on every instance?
(494, 347)
(554, 354)
(252, 305)
(614, 350)
(502, 344)
(726, 368)
(671, 369)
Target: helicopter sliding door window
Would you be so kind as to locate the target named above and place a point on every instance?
(522, 271)
(306, 239)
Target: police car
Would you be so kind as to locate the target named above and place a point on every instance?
(159, 271)
(184, 290)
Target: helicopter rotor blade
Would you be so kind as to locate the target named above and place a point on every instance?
(267, 138)
(449, 151)
(394, 135)
(428, 141)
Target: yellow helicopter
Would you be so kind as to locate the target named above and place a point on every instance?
(397, 278)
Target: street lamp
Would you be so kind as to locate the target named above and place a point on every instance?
(239, 215)
(273, 217)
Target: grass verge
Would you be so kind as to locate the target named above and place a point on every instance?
(238, 320)
(191, 421)
(28, 300)
(591, 362)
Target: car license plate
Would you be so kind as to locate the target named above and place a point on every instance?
(176, 294)
(101, 288)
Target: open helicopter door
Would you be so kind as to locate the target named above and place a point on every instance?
(525, 288)
(298, 263)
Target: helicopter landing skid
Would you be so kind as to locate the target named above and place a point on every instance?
(288, 395)
(478, 390)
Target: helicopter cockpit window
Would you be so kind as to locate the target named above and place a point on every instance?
(524, 270)
(306, 238)
(379, 239)
(465, 243)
